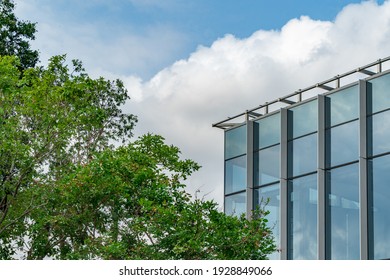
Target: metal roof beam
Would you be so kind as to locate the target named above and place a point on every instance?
(254, 114)
(367, 72)
(289, 102)
(325, 87)
(226, 125)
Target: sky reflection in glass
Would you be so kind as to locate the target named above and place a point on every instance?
(343, 186)
(302, 218)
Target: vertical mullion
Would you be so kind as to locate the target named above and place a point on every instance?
(321, 184)
(284, 246)
(224, 171)
(363, 186)
(249, 169)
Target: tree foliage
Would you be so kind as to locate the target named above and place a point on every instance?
(15, 36)
(66, 192)
(129, 203)
(50, 120)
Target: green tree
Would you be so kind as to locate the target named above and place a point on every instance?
(67, 193)
(130, 203)
(15, 35)
(50, 120)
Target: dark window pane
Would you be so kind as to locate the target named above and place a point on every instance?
(343, 186)
(343, 105)
(378, 91)
(267, 131)
(267, 165)
(235, 205)
(302, 218)
(302, 155)
(270, 197)
(235, 142)
(342, 143)
(380, 189)
(379, 133)
(303, 119)
(235, 175)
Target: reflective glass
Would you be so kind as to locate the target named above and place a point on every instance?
(302, 155)
(343, 186)
(235, 142)
(235, 205)
(379, 133)
(269, 197)
(267, 131)
(378, 91)
(343, 105)
(302, 218)
(303, 119)
(235, 174)
(342, 144)
(380, 189)
(267, 165)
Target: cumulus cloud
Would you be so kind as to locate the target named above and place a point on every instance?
(181, 101)
(232, 75)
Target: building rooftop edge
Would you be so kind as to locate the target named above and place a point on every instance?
(299, 94)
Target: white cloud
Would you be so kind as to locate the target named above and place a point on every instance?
(182, 101)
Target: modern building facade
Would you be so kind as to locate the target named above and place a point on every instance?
(323, 165)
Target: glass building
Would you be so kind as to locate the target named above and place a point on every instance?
(321, 165)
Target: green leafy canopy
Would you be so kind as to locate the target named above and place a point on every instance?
(15, 36)
(66, 192)
(51, 119)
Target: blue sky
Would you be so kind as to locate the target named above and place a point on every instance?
(188, 23)
(188, 64)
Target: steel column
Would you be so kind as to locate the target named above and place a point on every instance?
(363, 186)
(283, 185)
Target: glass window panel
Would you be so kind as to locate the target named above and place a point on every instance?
(303, 119)
(343, 105)
(235, 205)
(343, 186)
(267, 131)
(379, 133)
(235, 142)
(271, 194)
(380, 189)
(342, 143)
(235, 174)
(267, 165)
(378, 91)
(302, 218)
(302, 155)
